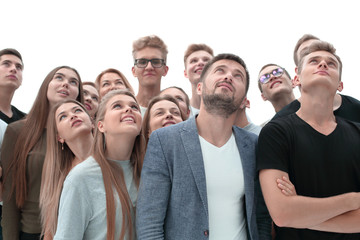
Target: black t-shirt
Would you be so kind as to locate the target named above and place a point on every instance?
(318, 165)
(349, 109)
(17, 115)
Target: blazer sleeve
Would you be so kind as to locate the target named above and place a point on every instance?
(10, 212)
(154, 192)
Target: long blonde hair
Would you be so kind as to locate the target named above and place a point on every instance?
(34, 125)
(57, 165)
(113, 175)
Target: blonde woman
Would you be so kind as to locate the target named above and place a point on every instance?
(69, 140)
(99, 195)
(23, 153)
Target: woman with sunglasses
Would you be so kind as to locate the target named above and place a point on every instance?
(99, 195)
(23, 154)
(69, 140)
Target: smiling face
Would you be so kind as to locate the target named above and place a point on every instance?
(91, 99)
(149, 76)
(64, 85)
(72, 121)
(195, 64)
(10, 71)
(122, 117)
(162, 114)
(110, 81)
(276, 86)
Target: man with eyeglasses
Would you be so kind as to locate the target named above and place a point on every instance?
(344, 106)
(275, 85)
(149, 55)
(318, 152)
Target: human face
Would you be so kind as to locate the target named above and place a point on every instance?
(149, 76)
(276, 85)
(319, 68)
(162, 114)
(303, 46)
(195, 64)
(110, 81)
(91, 98)
(180, 97)
(223, 89)
(11, 69)
(64, 85)
(122, 117)
(71, 121)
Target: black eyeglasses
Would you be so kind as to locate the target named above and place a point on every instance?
(278, 72)
(155, 62)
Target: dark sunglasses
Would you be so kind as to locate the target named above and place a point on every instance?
(278, 72)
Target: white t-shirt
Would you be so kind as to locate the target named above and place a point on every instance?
(3, 126)
(225, 190)
(82, 208)
(143, 110)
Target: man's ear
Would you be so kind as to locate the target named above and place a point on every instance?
(166, 69)
(185, 74)
(296, 81)
(133, 71)
(341, 86)
(199, 88)
(245, 103)
(296, 70)
(263, 97)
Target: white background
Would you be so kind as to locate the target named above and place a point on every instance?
(92, 36)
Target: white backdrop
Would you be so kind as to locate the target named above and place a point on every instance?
(94, 35)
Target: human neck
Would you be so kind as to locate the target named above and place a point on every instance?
(81, 147)
(241, 119)
(317, 111)
(146, 94)
(195, 98)
(281, 102)
(218, 135)
(5, 101)
(120, 152)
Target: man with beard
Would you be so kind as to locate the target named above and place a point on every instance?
(198, 176)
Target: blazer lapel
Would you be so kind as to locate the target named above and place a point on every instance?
(190, 139)
(247, 155)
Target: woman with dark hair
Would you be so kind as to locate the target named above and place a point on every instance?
(69, 141)
(23, 154)
(91, 98)
(99, 195)
(162, 111)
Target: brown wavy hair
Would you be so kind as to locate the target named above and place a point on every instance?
(34, 125)
(57, 165)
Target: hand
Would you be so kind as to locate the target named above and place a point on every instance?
(286, 187)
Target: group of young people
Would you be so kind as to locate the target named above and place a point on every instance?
(93, 161)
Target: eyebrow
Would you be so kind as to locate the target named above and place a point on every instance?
(75, 107)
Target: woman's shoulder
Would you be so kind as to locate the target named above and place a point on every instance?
(84, 170)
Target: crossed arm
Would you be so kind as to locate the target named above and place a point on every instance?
(339, 213)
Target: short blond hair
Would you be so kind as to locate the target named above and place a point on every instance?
(151, 41)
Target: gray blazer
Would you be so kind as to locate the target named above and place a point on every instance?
(172, 200)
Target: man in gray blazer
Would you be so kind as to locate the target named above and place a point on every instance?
(198, 176)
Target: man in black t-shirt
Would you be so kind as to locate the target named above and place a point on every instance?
(318, 152)
(11, 67)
